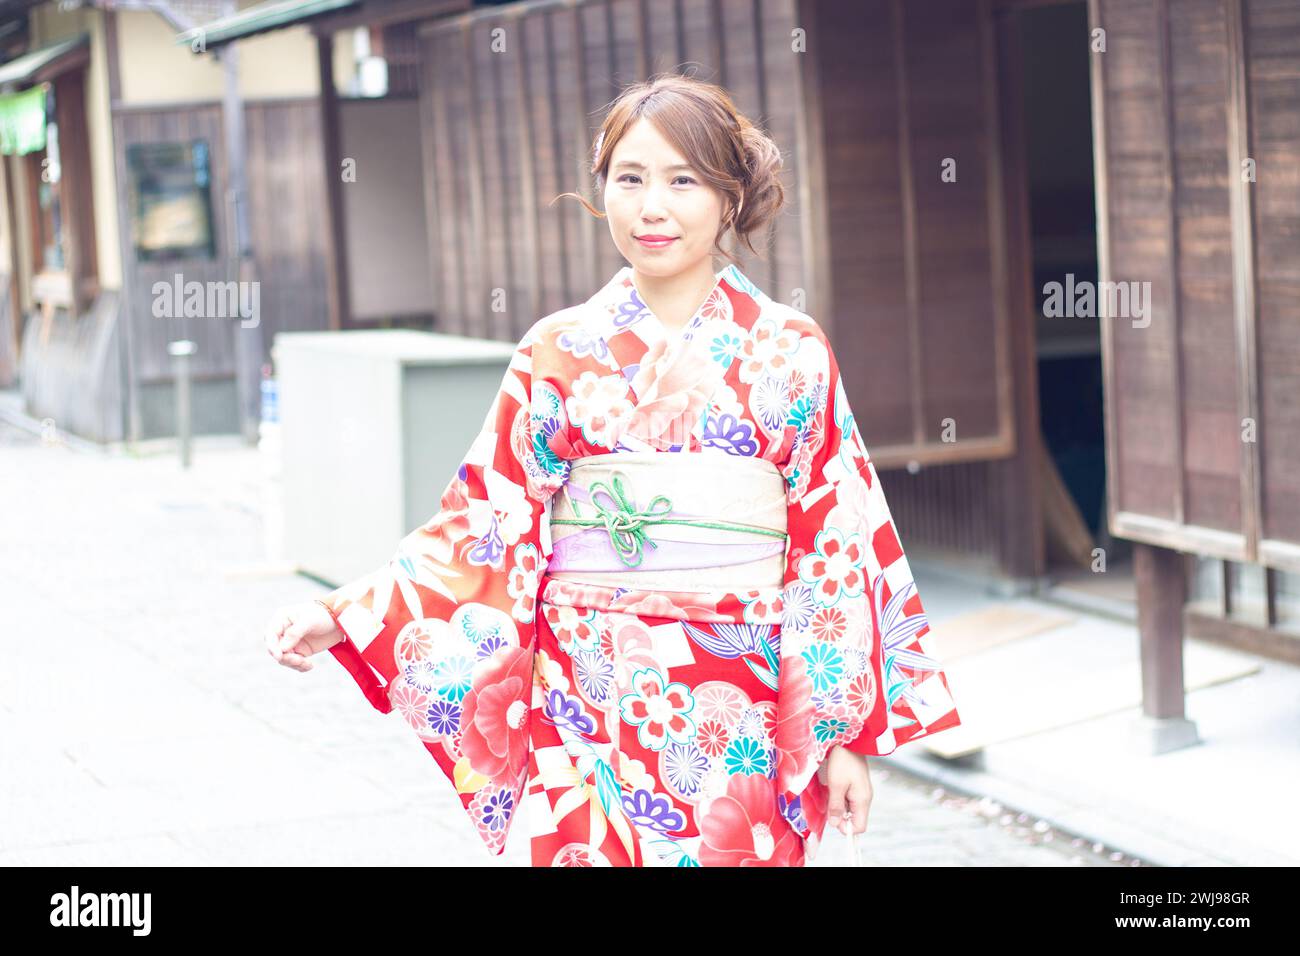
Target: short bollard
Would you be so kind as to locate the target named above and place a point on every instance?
(181, 351)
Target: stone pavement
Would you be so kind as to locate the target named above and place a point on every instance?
(142, 721)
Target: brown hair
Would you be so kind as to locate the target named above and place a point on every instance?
(698, 118)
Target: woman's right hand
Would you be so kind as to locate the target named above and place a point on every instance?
(297, 631)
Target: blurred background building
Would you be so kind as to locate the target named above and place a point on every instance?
(948, 160)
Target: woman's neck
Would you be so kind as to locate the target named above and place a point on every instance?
(675, 299)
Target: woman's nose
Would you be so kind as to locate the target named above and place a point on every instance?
(652, 206)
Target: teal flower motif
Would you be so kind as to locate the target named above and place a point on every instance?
(546, 456)
(724, 348)
(747, 755)
(658, 709)
(545, 403)
(802, 412)
(478, 628)
(453, 678)
(830, 729)
(825, 665)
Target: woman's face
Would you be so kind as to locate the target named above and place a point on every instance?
(651, 192)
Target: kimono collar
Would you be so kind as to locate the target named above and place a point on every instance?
(620, 307)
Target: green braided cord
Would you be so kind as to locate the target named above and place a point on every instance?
(626, 526)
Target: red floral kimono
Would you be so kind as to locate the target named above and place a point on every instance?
(645, 727)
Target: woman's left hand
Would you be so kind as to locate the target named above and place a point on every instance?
(847, 777)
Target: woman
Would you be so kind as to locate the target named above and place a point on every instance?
(663, 590)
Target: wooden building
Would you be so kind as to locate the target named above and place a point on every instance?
(144, 197)
(957, 169)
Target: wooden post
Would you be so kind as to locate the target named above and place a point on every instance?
(132, 426)
(1162, 593)
(15, 264)
(336, 242)
(1022, 546)
(249, 353)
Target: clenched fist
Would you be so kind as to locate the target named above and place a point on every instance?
(298, 631)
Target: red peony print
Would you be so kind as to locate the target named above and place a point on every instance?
(673, 387)
(495, 718)
(794, 737)
(745, 828)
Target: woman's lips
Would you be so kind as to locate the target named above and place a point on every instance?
(658, 242)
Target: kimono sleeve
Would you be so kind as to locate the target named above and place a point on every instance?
(444, 632)
(856, 670)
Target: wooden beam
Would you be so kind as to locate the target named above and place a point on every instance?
(15, 266)
(907, 200)
(248, 342)
(568, 294)
(814, 220)
(431, 110)
(475, 300)
(532, 235)
(1243, 636)
(336, 238)
(1022, 550)
(583, 137)
(1165, 143)
(391, 11)
(1245, 281)
(132, 426)
(1101, 188)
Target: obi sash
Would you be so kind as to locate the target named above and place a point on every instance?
(673, 521)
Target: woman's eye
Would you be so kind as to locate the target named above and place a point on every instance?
(628, 177)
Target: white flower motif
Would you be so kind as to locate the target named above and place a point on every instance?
(600, 406)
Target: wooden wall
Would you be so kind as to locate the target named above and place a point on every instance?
(906, 272)
(1203, 432)
(908, 90)
(287, 225)
(1271, 40)
(509, 127)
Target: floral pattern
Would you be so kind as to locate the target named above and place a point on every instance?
(639, 727)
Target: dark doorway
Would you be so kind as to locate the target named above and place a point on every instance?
(1054, 44)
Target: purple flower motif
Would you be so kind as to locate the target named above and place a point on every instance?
(685, 766)
(490, 645)
(562, 710)
(580, 342)
(497, 809)
(444, 716)
(770, 399)
(595, 672)
(731, 434)
(630, 310)
(793, 813)
(422, 675)
(549, 426)
(653, 811)
(798, 606)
